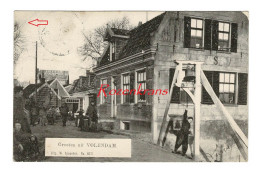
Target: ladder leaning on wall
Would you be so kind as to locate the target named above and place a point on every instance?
(236, 133)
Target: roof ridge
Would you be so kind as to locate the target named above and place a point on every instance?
(147, 22)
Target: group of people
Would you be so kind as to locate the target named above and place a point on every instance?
(25, 143)
(89, 121)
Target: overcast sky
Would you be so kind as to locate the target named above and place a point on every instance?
(62, 36)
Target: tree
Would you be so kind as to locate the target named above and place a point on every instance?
(18, 42)
(94, 45)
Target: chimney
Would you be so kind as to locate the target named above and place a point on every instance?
(140, 23)
(42, 80)
(87, 72)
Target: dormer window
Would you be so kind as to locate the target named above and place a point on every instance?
(112, 51)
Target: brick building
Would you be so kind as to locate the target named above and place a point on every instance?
(62, 76)
(52, 89)
(146, 54)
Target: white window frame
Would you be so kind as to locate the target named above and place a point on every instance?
(229, 35)
(202, 31)
(136, 84)
(102, 101)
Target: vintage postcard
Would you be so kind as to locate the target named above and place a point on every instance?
(130, 86)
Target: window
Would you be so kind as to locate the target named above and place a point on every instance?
(210, 34)
(112, 45)
(223, 36)
(126, 85)
(196, 40)
(179, 95)
(103, 99)
(227, 88)
(141, 80)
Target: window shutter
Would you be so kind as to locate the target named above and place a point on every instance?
(187, 25)
(213, 78)
(214, 35)
(132, 82)
(207, 36)
(206, 99)
(176, 90)
(216, 83)
(242, 88)
(234, 37)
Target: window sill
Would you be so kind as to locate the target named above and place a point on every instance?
(197, 49)
(127, 104)
(223, 51)
(142, 102)
(230, 105)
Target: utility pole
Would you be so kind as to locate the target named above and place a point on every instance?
(36, 47)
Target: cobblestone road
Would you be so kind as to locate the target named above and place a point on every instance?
(141, 151)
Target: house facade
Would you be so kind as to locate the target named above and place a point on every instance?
(146, 55)
(82, 92)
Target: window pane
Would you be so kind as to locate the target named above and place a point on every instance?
(199, 33)
(226, 88)
(193, 23)
(221, 97)
(232, 78)
(232, 88)
(226, 27)
(220, 26)
(226, 98)
(144, 75)
(193, 32)
(227, 78)
(231, 98)
(221, 88)
(221, 77)
(220, 36)
(199, 24)
(225, 36)
(143, 88)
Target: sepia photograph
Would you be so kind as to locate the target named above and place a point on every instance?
(130, 86)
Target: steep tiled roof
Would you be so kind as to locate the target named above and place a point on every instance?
(120, 31)
(84, 83)
(140, 37)
(30, 89)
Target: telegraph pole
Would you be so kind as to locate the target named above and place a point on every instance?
(36, 47)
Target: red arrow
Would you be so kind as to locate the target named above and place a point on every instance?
(38, 22)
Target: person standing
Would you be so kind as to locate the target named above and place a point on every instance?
(34, 112)
(20, 143)
(43, 115)
(64, 113)
(19, 115)
(93, 117)
(81, 120)
(183, 134)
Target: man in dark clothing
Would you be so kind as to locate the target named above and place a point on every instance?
(81, 118)
(19, 114)
(183, 134)
(92, 114)
(25, 145)
(34, 110)
(64, 113)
